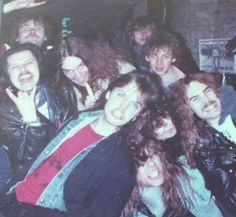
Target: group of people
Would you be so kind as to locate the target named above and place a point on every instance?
(130, 128)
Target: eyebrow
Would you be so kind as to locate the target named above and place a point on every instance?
(197, 95)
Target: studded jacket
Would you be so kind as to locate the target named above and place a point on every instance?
(216, 158)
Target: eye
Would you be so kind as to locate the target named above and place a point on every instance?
(13, 68)
(120, 94)
(194, 99)
(208, 90)
(30, 63)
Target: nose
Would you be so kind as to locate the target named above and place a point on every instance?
(205, 100)
(22, 68)
(32, 29)
(124, 104)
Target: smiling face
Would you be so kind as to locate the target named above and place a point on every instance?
(123, 104)
(166, 130)
(204, 102)
(75, 70)
(160, 60)
(31, 32)
(142, 34)
(150, 174)
(23, 70)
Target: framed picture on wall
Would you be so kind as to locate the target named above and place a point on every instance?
(213, 57)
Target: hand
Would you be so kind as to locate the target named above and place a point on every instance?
(25, 104)
(20, 4)
(89, 101)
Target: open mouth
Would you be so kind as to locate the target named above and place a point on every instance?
(154, 174)
(117, 114)
(25, 78)
(210, 107)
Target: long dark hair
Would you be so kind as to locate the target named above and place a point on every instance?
(143, 144)
(101, 62)
(188, 121)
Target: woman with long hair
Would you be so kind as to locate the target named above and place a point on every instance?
(86, 71)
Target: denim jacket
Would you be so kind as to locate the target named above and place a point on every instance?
(52, 196)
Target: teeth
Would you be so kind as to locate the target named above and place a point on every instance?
(24, 76)
(210, 107)
(118, 114)
(154, 174)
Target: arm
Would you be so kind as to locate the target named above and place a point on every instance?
(20, 4)
(24, 141)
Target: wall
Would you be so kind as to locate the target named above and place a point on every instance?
(202, 19)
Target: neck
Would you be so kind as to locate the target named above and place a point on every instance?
(102, 127)
(172, 75)
(214, 122)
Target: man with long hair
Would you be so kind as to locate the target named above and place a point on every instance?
(208, 144)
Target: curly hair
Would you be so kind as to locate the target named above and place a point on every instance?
(171, 169)
(189, 123)
(160, 41)
(143, 144)
(102, 63)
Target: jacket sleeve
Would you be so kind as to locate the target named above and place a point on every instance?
(101, 184)
(219, 169)
(24, 142)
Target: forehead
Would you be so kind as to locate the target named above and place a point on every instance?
(132, 91)
(20, 57)
(71, 62)
(195, 88)
(162, 50)
(142, 28)
(31, 22)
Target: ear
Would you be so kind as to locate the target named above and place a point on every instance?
(107, 96)
(147, 58)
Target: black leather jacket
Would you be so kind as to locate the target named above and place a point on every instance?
(22, 141)
(216, 159)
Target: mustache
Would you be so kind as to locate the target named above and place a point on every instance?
(208, 104)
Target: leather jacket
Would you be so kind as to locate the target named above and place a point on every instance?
(216, 158)
(67, 97)
(22, 141)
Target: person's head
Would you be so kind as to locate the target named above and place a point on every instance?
(155, 168)
(75, 70)
(196, 101)
(150, 169)
(129, 95)
(161, 126)
(21, 67)
(161, 52)
(86, 61)
(31, 28)
(200, 93)
(141, 29)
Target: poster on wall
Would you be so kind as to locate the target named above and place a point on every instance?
(213, 57)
